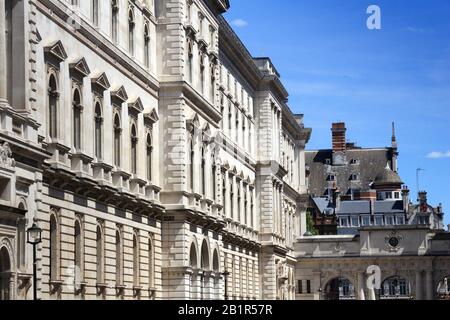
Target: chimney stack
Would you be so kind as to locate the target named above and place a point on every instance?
(422, 197)
(338, 131)
(405, 197)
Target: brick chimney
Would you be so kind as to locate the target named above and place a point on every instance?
(338, 131)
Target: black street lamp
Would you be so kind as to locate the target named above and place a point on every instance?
(226, 274)
(34, 237)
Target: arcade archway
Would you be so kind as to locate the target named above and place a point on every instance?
(395, 288)
(443, 289)
(5, 274)
(339, 289)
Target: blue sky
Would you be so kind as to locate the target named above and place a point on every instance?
(336, 69)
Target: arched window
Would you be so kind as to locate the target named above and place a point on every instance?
(202, 171)
(54, 248)
(136, 261)
(205, 256)
(117, 137)
(119, 259)
(133, 142)
(5, 277)
(252, 218)
(213, 176)
(193, 266)
(224, 194)
(147, 46)
(79, 252)
(238, 201)
(202, 73)
(191, 163)
(212, 83)
(100, 255)
(115, 20)
(53, 97)
(94, 12)
(149, 157)
(245, 205)
(77, 119)
(151, 264)
(231, 182)
(189, 60)
(131, 25)
(98, 121)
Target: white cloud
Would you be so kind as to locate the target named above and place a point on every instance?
(239, 23)
(438, 155)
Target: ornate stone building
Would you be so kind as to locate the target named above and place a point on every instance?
(160, 159)
(383, 262)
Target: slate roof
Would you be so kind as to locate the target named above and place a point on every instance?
(322, 204)
(372, 163)
(387, 177)
(354, 207)
(386, 206)
(363, 207)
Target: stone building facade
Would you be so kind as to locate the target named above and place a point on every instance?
(160, 159)
(387, 262)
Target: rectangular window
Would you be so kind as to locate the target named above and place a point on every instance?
(388, 195)
(379, 221)
(400, 220)
(355, 221)
(389, 221)
(365, 221)
(308, 286)
(300, 286)
(344, 222)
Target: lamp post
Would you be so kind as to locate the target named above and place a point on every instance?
(34, 237)
(226, 274)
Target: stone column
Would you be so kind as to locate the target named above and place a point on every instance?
(361, 285)
(3, 65)
(429, 285)
(419, 285)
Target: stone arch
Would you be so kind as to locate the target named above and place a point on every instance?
(205, 262)
(395, 287)
(442, 289)
(216, 261)
(5, 273)
(193, 254)
(339, 287)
